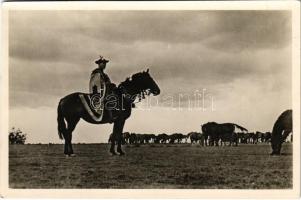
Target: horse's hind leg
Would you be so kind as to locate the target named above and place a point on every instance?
(112, 149)
(68, 136)
(68, 147)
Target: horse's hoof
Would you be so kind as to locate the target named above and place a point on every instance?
(113, 153)
(121, 154)
(70, 155)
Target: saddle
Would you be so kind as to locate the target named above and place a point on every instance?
(94, 105)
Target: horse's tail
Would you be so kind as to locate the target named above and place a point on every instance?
(60, 121)
(240, 127)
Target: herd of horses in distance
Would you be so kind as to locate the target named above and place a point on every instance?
(214, 134)
(197, 138)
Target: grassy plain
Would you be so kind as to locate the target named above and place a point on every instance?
(150, 166)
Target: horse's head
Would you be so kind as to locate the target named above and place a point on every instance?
(146, 83)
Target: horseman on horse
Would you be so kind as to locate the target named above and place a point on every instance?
(105, 103)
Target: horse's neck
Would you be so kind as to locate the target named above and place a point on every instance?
(130, 88)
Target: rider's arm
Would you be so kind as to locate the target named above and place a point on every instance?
(107, 79)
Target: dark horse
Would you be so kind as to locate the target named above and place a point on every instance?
(281, 129)
(224, 132)
(120, 102)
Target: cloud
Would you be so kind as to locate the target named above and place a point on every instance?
(74, 35)
(52, 52)
(241, 30)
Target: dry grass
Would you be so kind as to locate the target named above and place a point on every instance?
(150, 166)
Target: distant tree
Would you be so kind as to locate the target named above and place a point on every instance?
(16, 136)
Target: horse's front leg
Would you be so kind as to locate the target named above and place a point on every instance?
(112, 149)
(119, 150)
(117, 137)
(117, 130)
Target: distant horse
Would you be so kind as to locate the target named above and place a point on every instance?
(162, 138)
(260, 136)
(221, 131)
(133, 138)
(140, 138)
(150, 138)
(267, 137)
(242, 137)
(147, 138)
(281, 129)
(253, 138)
(71, 109)
(126, 136)
(176, 137)
(195, 137)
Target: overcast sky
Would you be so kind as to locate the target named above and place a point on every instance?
(241, 58)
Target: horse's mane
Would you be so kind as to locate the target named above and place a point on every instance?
(131, 79)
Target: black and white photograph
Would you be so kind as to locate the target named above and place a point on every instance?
(178, 95)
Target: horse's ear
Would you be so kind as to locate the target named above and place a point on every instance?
(147, 70)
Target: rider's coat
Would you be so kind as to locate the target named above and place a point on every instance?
(98, 82)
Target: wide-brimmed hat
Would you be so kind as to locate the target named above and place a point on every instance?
(101, 60)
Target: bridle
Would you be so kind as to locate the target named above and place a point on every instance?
(142, 93)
